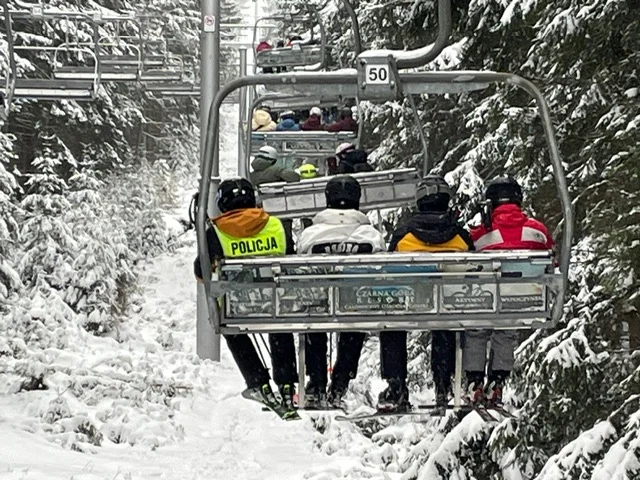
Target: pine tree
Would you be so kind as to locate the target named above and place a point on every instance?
(9, 278)
(103, 268)
(49, 246)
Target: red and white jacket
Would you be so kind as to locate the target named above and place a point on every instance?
(511, 230)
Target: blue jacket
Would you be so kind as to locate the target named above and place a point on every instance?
(288, 125)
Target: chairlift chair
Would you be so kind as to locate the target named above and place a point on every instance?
(83, 87)
(299, 55)
(317, 145)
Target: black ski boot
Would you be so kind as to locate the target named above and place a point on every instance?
(395, 398)
(262, 394)
(335, 396)
(315, 396)
(287, 392)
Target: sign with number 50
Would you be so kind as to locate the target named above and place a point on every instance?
(377, 74)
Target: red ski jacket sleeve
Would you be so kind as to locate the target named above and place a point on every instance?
(512, 230)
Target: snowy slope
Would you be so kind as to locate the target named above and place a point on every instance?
(222, 436)
(157, 410)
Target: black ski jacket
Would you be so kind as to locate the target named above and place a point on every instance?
(432, 229)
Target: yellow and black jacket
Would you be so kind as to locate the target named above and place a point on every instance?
(246, 232)
(431, 232)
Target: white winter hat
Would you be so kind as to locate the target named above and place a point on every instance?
(315, 111)
(344, 147)
(268, 152)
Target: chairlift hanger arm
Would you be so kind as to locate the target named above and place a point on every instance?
(422, 56)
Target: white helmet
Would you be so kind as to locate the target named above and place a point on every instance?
(268, 152)
(344, 147)
(315, 111)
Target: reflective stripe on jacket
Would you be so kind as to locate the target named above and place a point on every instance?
(271, 240)
(512, 230)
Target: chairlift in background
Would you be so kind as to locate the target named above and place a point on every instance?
(300, 55)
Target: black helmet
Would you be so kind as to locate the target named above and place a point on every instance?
(235, 193)
(433, 194)
(343, 192)
(504, 190)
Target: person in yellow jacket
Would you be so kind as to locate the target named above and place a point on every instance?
(243, 230)
(433, 228)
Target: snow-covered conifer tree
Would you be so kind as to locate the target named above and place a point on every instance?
(102, 268)
(49, 245)
(9, 278)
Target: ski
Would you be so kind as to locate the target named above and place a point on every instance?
(384, 414)
(483, 413)
(282, 412)
(502, 411)
(311, 409)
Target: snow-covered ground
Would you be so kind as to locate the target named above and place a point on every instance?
(142, 405)
(161, 412)
(221, 435)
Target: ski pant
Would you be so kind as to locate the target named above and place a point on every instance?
(348, 356)
(283, 358)
(393, 357)
(474, 352)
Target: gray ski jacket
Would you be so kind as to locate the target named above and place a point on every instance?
(264, 171)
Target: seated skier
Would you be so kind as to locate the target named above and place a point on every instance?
(352, 160)
(341, 228)
(345, 122)
(314, 122)
(307, 171)
(264, 45)
(288, 122)
(265, 169)
(433, 228)
(240, 221)
(262, 121)
(506, 227)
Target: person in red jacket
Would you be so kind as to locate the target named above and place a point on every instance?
(345, 122)
(314, 122)
(506, 228)
(264, 45)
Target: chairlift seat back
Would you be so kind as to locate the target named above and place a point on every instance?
(298, 56)
(380, 190)
(47, 89)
